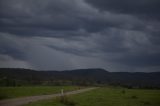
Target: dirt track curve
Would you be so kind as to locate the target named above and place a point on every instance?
(26, 100)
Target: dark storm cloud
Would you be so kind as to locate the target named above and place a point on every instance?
(22, 16)
(147, 8)
(80, 34)
(15, 53)
(11, 46)
(34, 18)
(143, 60)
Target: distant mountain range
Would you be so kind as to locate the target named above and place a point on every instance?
(18, 77)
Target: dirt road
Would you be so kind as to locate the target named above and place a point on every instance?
(26, 100)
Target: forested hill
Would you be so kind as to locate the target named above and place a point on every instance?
(18, 77)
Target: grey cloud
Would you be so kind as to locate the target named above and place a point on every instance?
(83, 52)
(9, 62)
(12, 46)
(40, 56)
(60, 34)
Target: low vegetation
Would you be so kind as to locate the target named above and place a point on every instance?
(107, 97)
(130, 89)
(82, 77)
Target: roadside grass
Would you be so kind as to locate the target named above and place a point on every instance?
(14, 92)
(107, 97)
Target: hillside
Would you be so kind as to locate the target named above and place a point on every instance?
(18, 77)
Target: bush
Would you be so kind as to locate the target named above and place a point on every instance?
(66, 101)
(123, 91)
(3, 97)
(146, 103)
(134, 97)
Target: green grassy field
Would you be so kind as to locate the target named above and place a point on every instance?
(107, 97)
(13, 92)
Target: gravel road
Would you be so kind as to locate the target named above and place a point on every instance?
(26, 100)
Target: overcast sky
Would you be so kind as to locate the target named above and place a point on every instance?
(117, 35)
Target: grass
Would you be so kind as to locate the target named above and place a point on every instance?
(13, 92)
(108, 97)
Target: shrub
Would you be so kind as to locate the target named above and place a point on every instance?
(146, 103)
(3, 97)
(123, 91)
(66, 101)
(134, 97)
